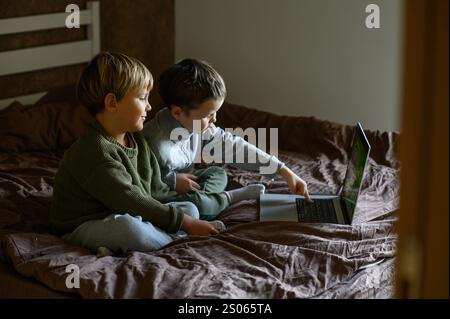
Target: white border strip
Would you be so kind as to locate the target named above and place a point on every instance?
(40, 22)
(44, 57)
(37, 58)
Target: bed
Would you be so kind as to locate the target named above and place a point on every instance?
(251, 259)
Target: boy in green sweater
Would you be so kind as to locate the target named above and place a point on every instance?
(108, 190)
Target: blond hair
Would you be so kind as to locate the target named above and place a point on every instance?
(110, 72)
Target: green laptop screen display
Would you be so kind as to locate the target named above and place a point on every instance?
(355, 172)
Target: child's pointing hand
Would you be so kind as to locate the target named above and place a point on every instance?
(296, 184)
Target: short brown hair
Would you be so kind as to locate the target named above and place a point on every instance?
(189, 83)
(110, 72)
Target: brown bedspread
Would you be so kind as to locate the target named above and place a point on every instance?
(251, 259)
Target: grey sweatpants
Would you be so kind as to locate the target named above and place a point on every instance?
(123, 232)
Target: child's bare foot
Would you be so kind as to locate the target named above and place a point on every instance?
(219, 225)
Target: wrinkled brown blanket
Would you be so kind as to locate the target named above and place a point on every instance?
(251, 259)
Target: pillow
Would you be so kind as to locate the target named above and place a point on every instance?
(47, 125)
(14, 106)
(62, 94)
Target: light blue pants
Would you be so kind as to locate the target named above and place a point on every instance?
(123, 232)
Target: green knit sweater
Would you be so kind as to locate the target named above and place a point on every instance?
(98, 176)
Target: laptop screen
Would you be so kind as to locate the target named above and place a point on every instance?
(355, 170)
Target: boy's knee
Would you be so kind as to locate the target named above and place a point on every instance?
(135, 233)
(189, 209)
(216, 179)
(127, 226)
(216, 171)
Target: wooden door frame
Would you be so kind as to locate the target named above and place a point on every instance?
(423, 250)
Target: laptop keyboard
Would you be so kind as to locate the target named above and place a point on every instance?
(321, 211)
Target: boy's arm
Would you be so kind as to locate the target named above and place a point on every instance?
(170, 178)
(159, 153)
(239, 153)
(235, 147)
(162, 151)
(112, 185)
(295, 183)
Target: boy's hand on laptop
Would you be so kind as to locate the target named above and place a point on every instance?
(296, 184)
(186, 183)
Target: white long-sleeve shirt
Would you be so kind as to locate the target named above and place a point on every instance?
(177, 149)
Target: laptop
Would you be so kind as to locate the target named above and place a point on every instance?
(338, 209)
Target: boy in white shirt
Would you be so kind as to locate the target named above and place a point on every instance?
(193, 93)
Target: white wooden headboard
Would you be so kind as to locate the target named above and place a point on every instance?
(49, 56)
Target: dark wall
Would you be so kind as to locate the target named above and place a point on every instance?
(140, 28)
